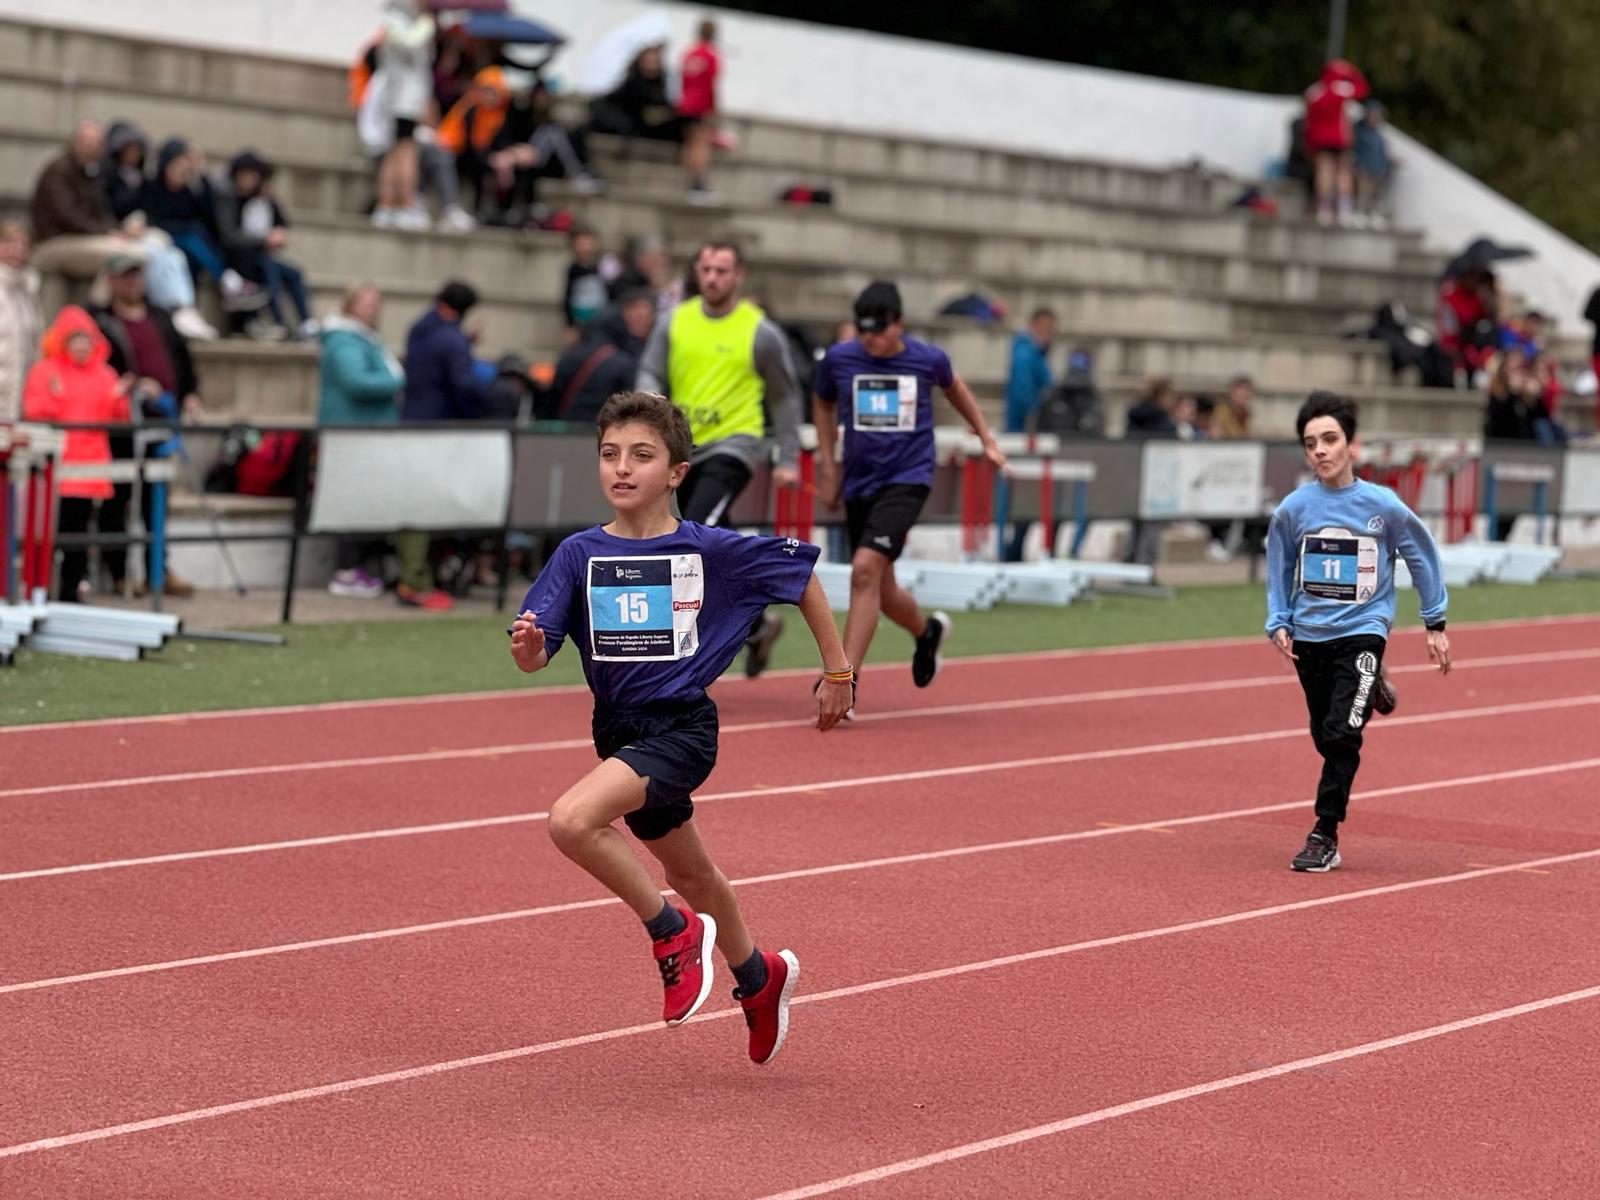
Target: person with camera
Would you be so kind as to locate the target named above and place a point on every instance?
(153, 359)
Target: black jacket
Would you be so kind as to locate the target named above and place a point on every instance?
(606, 361)
(122, 349)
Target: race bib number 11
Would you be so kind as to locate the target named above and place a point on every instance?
(645, 609)
(1339, 566)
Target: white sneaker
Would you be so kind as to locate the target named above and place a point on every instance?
(412, 220)
(455, 219)
(193, 326)
(1218, 553)
(384, 218)
(588, 185)
(703, 196)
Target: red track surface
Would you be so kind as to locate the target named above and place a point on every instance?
(1071, 1007)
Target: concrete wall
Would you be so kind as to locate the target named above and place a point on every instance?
(899, 86)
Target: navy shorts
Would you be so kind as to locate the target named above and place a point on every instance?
(672, 745)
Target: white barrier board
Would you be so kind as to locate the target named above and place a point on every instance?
(1580, 483)
(1201, 479)
(381, 481)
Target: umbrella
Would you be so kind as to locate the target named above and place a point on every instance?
(503, 27)
(483, 6)
(611, 56)
(1481, 254)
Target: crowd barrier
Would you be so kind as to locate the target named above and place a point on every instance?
(493, 481)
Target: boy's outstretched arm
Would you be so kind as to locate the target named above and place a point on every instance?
(834, 697)
(1280, 585)
(1416, 546)
(527, 643)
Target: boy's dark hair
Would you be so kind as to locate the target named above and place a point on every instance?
(657, 412)
(1327, 404)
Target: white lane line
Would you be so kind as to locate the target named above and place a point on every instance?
(900, 714)
(1080, 835)
(502, 695)
(1100, 1115)
(365, 1082)
(825, 785)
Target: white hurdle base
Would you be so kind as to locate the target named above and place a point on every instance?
(83, 631)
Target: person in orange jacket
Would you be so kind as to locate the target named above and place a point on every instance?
(72, 383)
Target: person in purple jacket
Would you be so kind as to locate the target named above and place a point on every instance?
(877, 388)
(657, 608)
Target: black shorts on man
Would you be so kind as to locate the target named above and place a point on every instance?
(882, 520)
(672, 745)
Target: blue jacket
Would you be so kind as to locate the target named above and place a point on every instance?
(441, 382)
(1028, 377)
(360, 381)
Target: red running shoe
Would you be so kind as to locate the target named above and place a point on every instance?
(767, 1012)
(685, 964)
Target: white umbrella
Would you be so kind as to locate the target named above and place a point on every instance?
(608, 61)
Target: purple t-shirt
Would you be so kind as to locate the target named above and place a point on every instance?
(885, 408)
(660, 618)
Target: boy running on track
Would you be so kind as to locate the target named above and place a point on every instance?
(727, 366)
(885, 380)
(658, 608)
(1330, 602)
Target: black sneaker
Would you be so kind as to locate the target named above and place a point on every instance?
(925, 661)
(760, 644)
(1320, 853)
(1383, 698)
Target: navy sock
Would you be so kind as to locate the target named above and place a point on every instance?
(751, 974)
(1328, 828)
(669, 922)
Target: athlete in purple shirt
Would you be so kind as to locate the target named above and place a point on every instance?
(657, 609)
(878, 388)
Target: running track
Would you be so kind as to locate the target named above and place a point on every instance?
(1050, 946)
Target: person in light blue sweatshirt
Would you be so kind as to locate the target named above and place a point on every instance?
(1330, 602)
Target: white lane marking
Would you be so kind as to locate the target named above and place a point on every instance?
(1167, 825)
(1099, 1115)
(365, 1082)
(568, 689)
(900, 714)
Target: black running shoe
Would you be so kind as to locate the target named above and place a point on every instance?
(1384, 700)
(759, 644)
(925, 661)
(1320, 853)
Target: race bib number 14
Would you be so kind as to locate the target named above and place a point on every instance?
(885, 403)
(645, 609)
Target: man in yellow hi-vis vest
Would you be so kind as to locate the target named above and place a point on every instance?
(727, 366)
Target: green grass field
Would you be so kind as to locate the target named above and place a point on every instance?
(366, 660)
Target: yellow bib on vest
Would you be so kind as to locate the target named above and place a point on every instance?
(711, 371)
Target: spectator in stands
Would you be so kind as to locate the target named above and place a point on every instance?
(1373, 167)
(697, 91)
(405, 81)
(1515, 404)
(532, 145)
(359, 383)
(166, 269)
(1029, 376)
(1232, 419)
(178, 202)
(71, 383)
(1152, 416)
(73, 229)
(1329, 137)
(254, 231)
(1468, 321)
(586, 291)
(604, 362)
(639, 107)
(646, 266)
(441, 385)
(147, 348)
(1591, 313)
(20, 319)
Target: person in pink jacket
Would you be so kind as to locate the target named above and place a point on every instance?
(1330, 135)
(72, 383)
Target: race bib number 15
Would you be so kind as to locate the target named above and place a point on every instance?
(645, 609)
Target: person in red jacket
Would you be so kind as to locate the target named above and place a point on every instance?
(72, 383)
(1329, 137)
(697, 98)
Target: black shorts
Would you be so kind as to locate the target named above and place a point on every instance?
(405, 128)
(672, 745)
(710, 488)
(881, 521)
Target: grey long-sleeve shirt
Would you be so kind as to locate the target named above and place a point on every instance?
(782, 392)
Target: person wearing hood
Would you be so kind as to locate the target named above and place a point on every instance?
(531, 145)
(253, 231)
(166, 269)
(175, 204)
(1329, 136)
(469, 130)
(73, 383)
(20, 319)
(359, 384)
